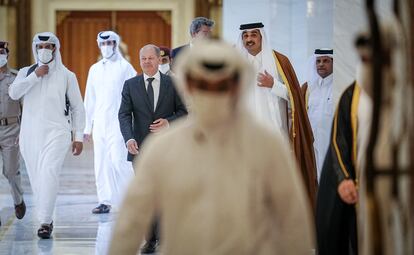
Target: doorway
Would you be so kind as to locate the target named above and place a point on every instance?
(77, 31)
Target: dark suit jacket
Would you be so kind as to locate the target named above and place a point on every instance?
(176, 51)
(135, 113)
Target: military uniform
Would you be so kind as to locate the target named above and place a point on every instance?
(10, 112)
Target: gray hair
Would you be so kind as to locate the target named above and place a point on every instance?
(198, 22)
(156, 49)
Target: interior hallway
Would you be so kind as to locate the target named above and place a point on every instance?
(76, 229)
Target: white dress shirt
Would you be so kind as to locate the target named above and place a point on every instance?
(320, 112)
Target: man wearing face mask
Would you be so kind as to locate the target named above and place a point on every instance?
(10, 111)
(165, 65)
(102, 99)
(47, 128)
(222, 197)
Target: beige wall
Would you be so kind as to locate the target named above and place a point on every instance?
(182, 13)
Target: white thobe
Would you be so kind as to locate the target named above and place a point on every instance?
(102, 100)
(227, 193)
(45, 135)
(268, 105)
(320, 113)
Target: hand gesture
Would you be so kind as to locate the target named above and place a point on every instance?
(348, 192)
(265, 80)
(132, 147)
(77, 148)
(158, 124)
(42, 70)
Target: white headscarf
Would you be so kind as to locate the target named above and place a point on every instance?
(312, 73)
(48, 37)
(110, 36)
(210, 51)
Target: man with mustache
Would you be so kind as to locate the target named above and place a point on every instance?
(275, 99)
(317, 92)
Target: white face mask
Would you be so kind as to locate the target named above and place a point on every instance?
(164, 68)
(44, 55)
(212, 109)
(3, 59)
(107, 51)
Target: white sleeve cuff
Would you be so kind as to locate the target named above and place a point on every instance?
(279, 89)
(88, 129)
(128, 141)
(78, 137)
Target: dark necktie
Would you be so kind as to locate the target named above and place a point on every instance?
(150, 92)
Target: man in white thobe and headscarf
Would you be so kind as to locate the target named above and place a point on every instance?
(276, 99)
(228, 193)
(102, 100)
(318, 97)
(53, 118)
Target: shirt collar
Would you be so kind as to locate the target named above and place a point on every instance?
(257, 56)
(157, 76)
(327, 80)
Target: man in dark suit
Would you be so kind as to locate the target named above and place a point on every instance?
(149, 103)
(200, 28)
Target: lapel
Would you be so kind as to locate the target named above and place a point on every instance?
(142, 91)
(163, 90)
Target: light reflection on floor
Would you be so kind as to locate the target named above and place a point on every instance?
(76, 229)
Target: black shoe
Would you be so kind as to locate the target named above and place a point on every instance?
(45, 230)
(20, 210)
(149, 247)
(101, 209)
